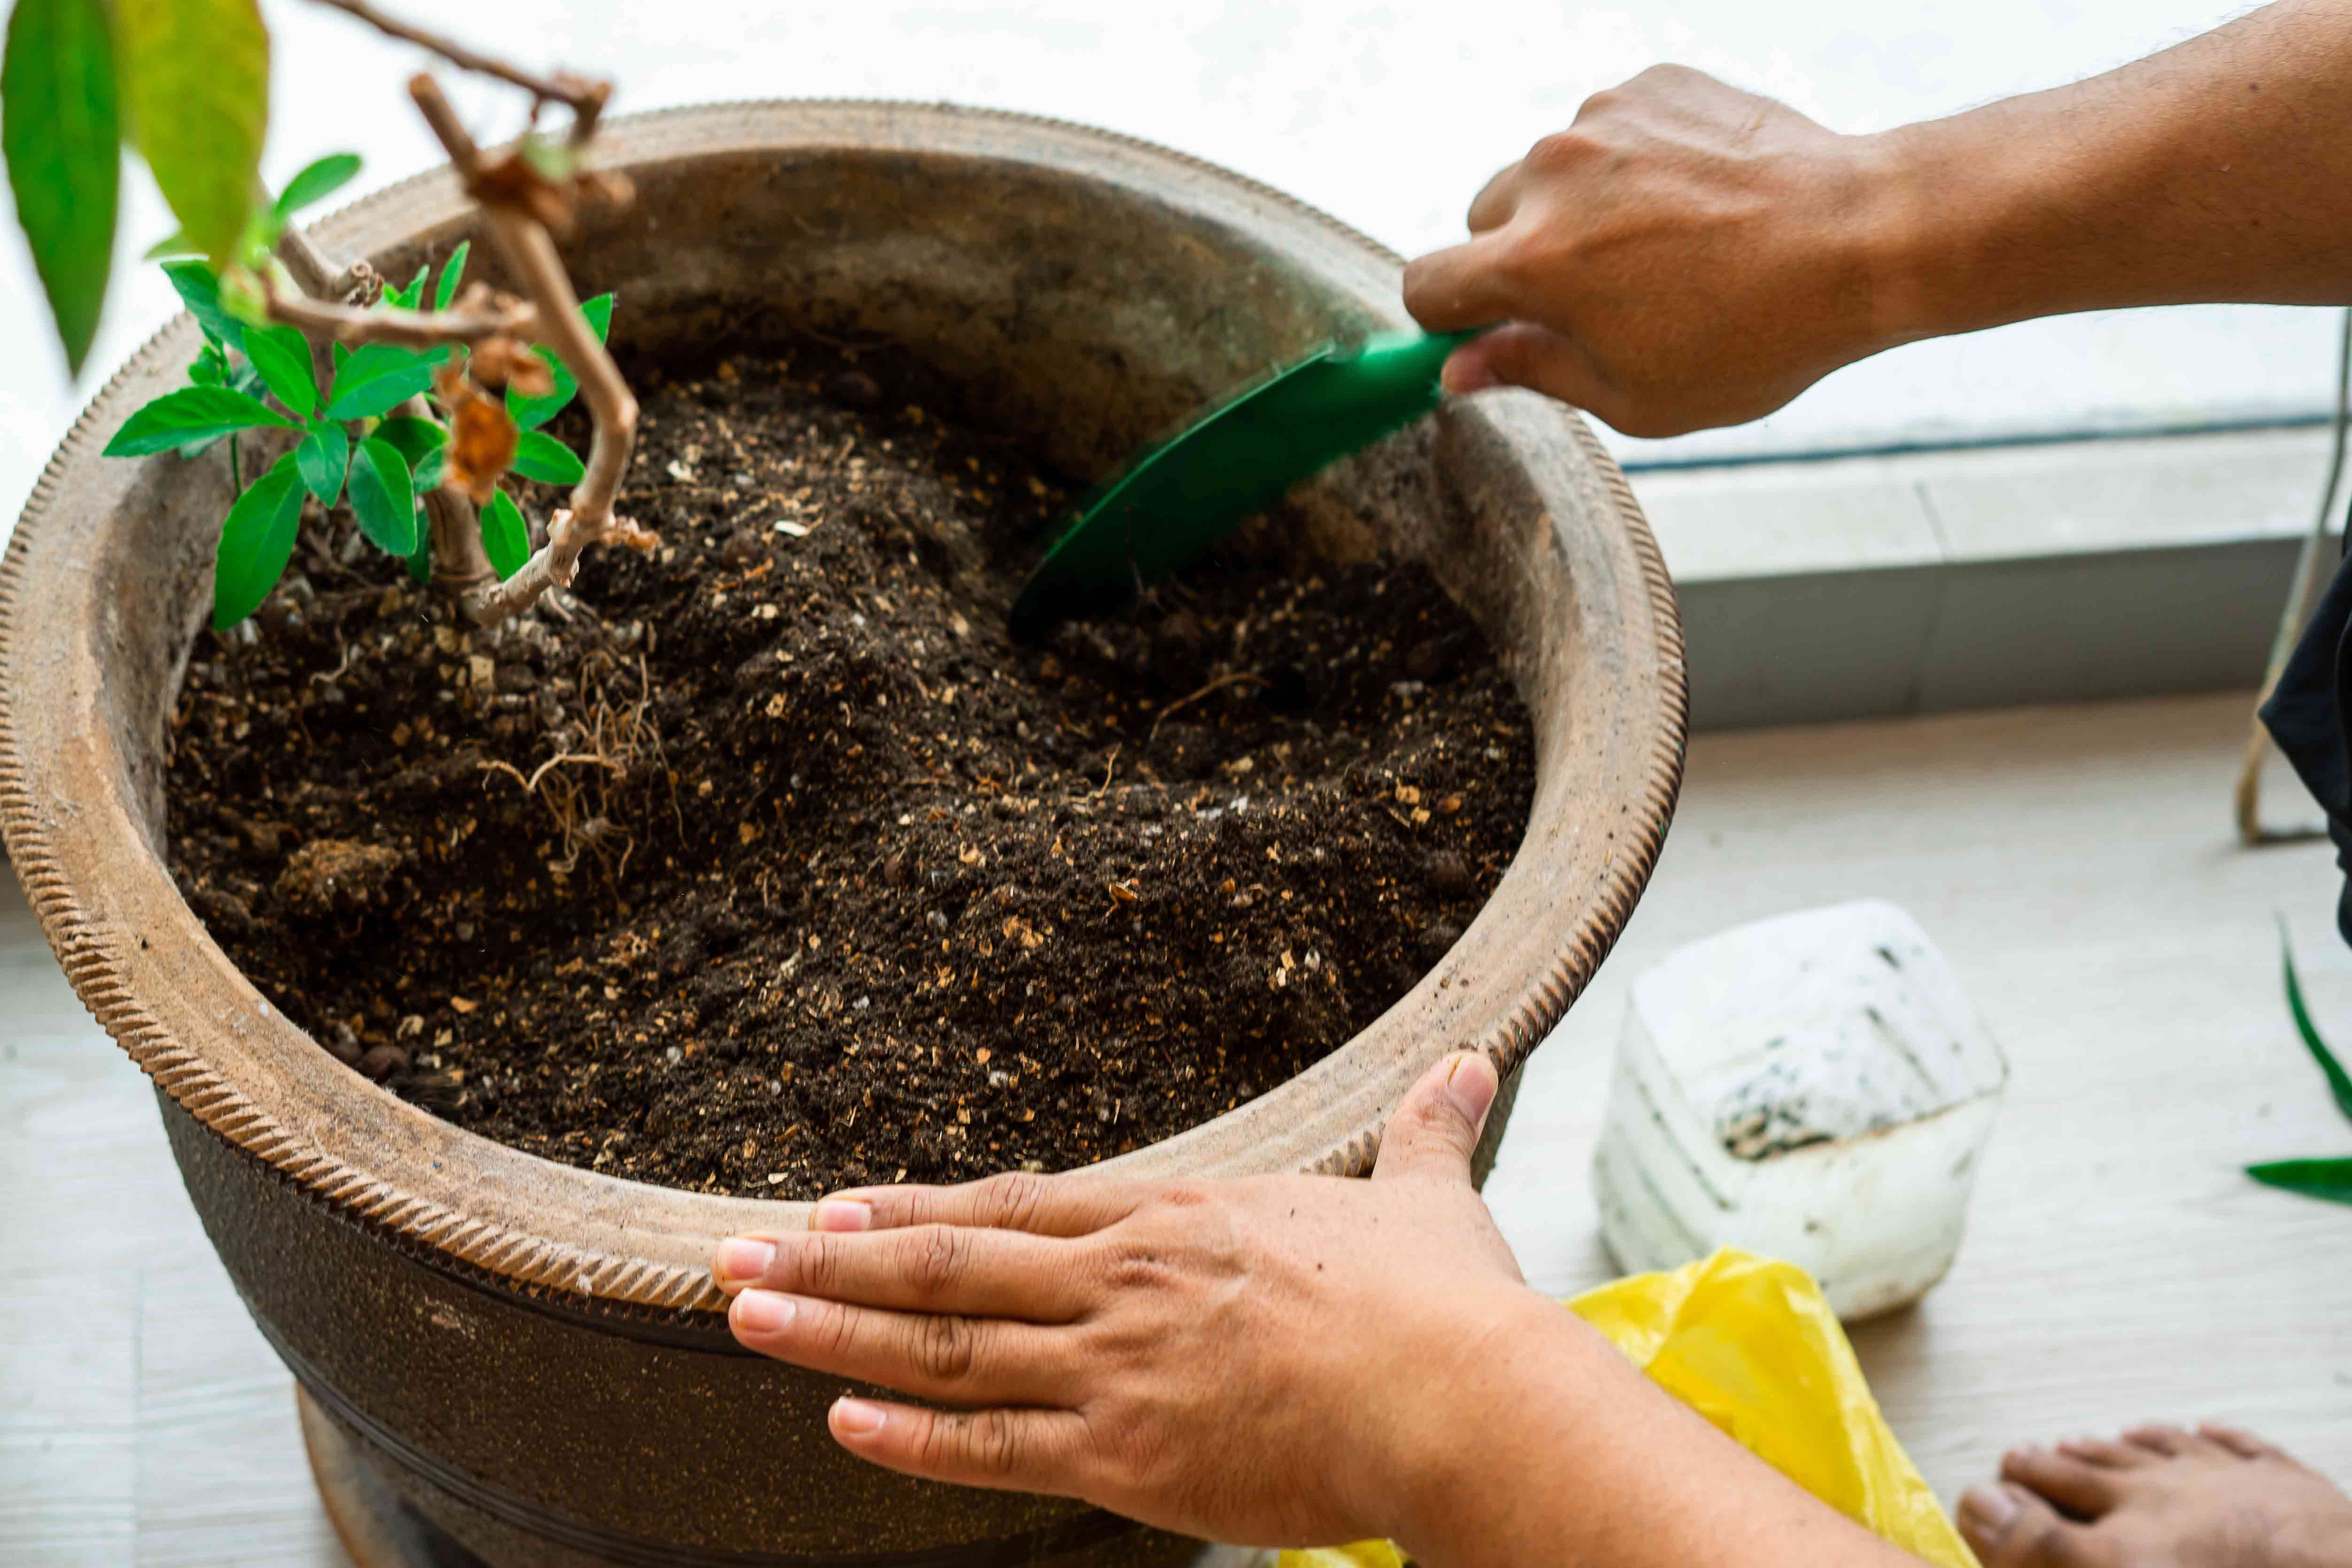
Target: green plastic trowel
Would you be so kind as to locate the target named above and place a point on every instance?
(1184, 494)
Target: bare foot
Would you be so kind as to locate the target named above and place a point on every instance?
(2162, 1497)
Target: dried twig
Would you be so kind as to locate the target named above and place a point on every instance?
(1234, 679)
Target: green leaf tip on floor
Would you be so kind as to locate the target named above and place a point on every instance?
(2330, 1180)
(2339, 1083)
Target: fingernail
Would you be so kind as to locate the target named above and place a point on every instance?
(761, 1312)
(742, 1258)
(1468, 375)
(1471, 1085)
(1991, 1507)
(843, 1214)
(856, 1418)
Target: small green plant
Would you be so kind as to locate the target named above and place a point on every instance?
(352, 441)
(2324, 1178)
(327, 364)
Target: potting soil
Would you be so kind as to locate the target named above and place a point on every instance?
(770, 865)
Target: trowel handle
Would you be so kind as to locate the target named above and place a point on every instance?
(1410, 359)
(1393, 376)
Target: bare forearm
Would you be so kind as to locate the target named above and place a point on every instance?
(1561, 1453)
(2218, 169)
(1687, 255)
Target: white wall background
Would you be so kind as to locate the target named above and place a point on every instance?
(1387, 115)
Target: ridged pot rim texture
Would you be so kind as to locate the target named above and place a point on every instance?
(1609, 757)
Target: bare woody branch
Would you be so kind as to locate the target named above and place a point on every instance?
(529, 255)
(585, 99)
(588, 520)
(312, 273)
(481, 315)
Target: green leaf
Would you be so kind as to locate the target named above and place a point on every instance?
(378, 378)
(242, 297)
(504, 539)
(2339, 1083)
(323, 456)
(199, 290)
(381, 497)
(531, 412)
(59, 136)
(316, 181)
(191, 413)
(538, 455)
(257, 540)
(413, 438)
(420, 560)
(553, 160)
(208, 370)
(412, 296)
(451, 271)
(2329, 1180)
(195, 82)
(429, 468)
(171, 244)
(282, 356)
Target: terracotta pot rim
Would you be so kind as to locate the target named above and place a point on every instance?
(609, 1280)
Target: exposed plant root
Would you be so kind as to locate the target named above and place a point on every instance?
(615, 741)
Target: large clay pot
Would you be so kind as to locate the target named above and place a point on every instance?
(533, 1352)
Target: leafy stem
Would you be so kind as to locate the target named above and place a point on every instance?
(330, 354)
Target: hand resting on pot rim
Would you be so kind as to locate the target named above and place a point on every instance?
(1277, 1361)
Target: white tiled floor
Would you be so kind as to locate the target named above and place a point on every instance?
(2075, 864)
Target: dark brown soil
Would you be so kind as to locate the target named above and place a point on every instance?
(778, 866)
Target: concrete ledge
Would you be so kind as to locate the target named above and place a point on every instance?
(1931, 582)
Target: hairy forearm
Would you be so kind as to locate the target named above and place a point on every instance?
(2218, 169)
(1558, 1451)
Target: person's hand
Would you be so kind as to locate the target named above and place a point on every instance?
(1685, 255)
(1263, 1361)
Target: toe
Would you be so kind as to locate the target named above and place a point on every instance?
(2107, 1453)
(2085, 1490)
(2238, 1440)
(2008, 1527)
(2158, 1439)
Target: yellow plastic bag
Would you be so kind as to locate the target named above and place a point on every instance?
(1751, 1344)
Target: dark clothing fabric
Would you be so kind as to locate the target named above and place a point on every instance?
(2307, 715)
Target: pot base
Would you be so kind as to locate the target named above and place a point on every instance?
(376, 1525)
(379, 1528)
